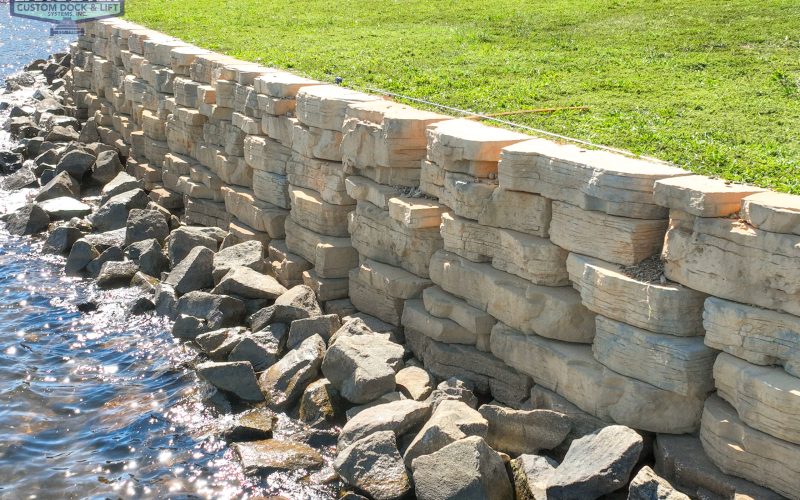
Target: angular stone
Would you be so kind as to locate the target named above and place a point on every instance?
(251, 426)
(701, 196)
(776, 212)
(287, 267)
(115, 274)
(530, 473)
(144, 225)
(571, 371)
(467, 196)
(670, 309)
(193, 272)
(284, 382)
(121, 183)
(61, 239)
(469, 146)
(261, 216)
(217, 310)
(282, 84)
(76, 163)
(362, 367)
(547, 311)
(270, 455)
(608, 237)
(414, 382)
(524, 431)
(65, 208)
(320, 402)
(742, 451)
(400, 417)
(184, 239)
(30, 219)
(363, 189)
(381, 290)
(729, 259)
(261, 355)
(316, 142)
(324, 106)
(590, 179)
(312, 212)
(443, 305)
(647, 485)
(249, 284)
(301, 329)
(323, 176)
(467, 468)
(113, 214)
(332, 257)
(111, 254)
(297, 303)
(374, 465)
(416, 213)
(451, 421)
(518, 211)
(22, 178)
(106, 167)
(248, 254)
(272, 188)
(62, 184)
(237, 378)
(326, 289)
(453, 388)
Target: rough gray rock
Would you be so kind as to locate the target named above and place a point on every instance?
(122, 183)
(220, 343)
(297, 303)
(453, 389)
(193, 272)
(253, 425)
(249, 284)
(524, 431)
(116, 274)
(237, 378)
(218, 311)
(149, 256)
(363, 367)
(106, 167)
(284, 382)
(468, 468)
(182, 240)
(189, 327)
(647, 485)
(144, 225)
(260, 355)
(165, 300)
(270, 455)
(596, 464)
(400, 417)
(110, 254)
(373, 465)
(141, 305)
(248, 254)
(80, 255)
(320, 402)
(113, 214)
(89, 132)
(414, 382)
(76, 163)
(450, 422)
(62, 184)
(531, 473)
(389, 397)
(354, 327)
(65, 208)
(30, 219)
(301, 329)
(61, 239)
(62, 134)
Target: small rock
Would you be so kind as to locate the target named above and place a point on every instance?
(363, 367)
(122, 183)
(193, 272)
(261, 356)
(320, 402)
(65, 208)
(219, 343)
(61, 239)
(80, 255)
(165, 300)
(284, 382)
(270, 455)
(301, 329)
(450, 422)
(89, 132)
(10, 162)
(111, 254)
(531, 473)
(188, 327)
(400, 417)
(524, 431)
(116, 274)
(237, 378)
(59, 186)
(76, 163)
(297, 303)
(249, 284)
(248, 254)
(468, 468)
(647, 485)
(145, 225)
(373, 465)
(389, 397)
(414, 382)
(62, 134)
(252, 426)
(30, 219)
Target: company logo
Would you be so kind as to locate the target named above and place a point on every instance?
(67, 14)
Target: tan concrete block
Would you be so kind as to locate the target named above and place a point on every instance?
(315, 142)
(776, 212)
(265, 154)
(363, 189)
(272, 188)
(440, 329)
(325, 177)
(326, 288)
(242, 204)
(312, 212)
(469, 147)
(416, 213)
(332, 257)
(444, 305)
(517, 210)
(287, 267)
(324, 106)
(282, 84)
(701, 196)
(466, 195)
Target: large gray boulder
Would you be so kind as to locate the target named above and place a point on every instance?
(647, 485)
(596, 464)
(121, 183)
(284, 382)
(248, 254)
(363, 367)
(259, 354)
(144, 225)
(468, 468)
(61, 239)
(106, 167)
(149, 256)
(193, 272)
(62, 134)
(65, 208)
(400, 417)
(80, 255)
(450, 422)
(182, 240)
(237, 378)
(62, 184)
(219, 343)
(22, 178)
(249, 284)
(115, 274)
(301, 329)
(110, 254)
(373, 465)
(218, 311)
(297, 303)
(30, 219)
(524, 431)
(113, 214)
(76, 163)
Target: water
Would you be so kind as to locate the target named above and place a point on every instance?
(101, 404)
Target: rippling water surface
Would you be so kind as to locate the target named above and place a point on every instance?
(99, 404)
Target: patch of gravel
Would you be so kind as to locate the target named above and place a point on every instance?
(650, 270)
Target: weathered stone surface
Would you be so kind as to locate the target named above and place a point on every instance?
(416, 213)
(185, 238)
(363, 189)
(270, 455)
(324, 106)
(272, 188)
(251, 426)
(679, 364)
(701, 196)
(237, 378)
(110, 254)
(743, 451)
(765, 398)
(571, 371)
(114, 274)
(467, 468)
(323, 176)
(113, 214)
(61, 239)
(518, 211)
(326, 289)
(443, 305)
(284, 382)
(316, 142)
(468, 146)
(261, 216)
(647, 485)
(312, 212)
(374, 465)
(80, 255)
(297, 303)
(729, 259)
(381, 290)
(193, 272)
(331, 256)
(530, 257)
(547, 311)
(467, 196)
(389, 397)
(324, 326)
(376, 235)
(76, 163)
(320, 402)
(217, 310)
(776, 212)
(249, 284)
(757, 335)
(30, 219)
(400, 417)
(451, 421)
(530, 473)
(62, 184)
(144, 225)
(440, 329)
(248, 254)
(455, 389)
(596, 464)
(590, 179)
(107, 166)
(64, 208)
(362, 367)
(524, 431)
(414, 382)
(22, 178)
(608, 237)
(670, 309)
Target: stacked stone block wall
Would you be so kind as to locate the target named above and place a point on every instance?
(521, 264)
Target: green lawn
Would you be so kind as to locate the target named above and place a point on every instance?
(713, 86)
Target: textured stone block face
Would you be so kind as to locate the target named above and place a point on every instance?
(362, 189)
(466, 195)
(571, 371)
(332, 257)
(312, 212)
(325, 177)
(281, 84)
(279, 128)
(746, 452)
(431, 179)
(530, 257)
(272, 188)
(440, 329)
(326, 288)
(776, 212)
(670, 309)
(765, 398)
(416, 213)
(731, 260)
(589, 179)
(468, 147)
(287, 267)
(376, 235)
(315, 142)
(266, 155)
(757, 335)
(382, 290)
(701, 196)
(324, 106)
(615, 239)
(243, 232)
(518, 211)
(553, 312)
(678, 364)
(443, 305)
(242, 204)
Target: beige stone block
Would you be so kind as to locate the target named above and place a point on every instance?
(226, 91)
(760, 336)
(431, 180)
(189, 116)
(730, 259)
(247, 124)
(571, 371)
(178, 164)
(153, 127)
(553, 312)
(608, 237)
(282, 84)
(323, 176)
(199, 173)
(530, 257)
(589, 179)
(183, 139)
(324, 106)
(403, 177)
(362, 189)
(233, 170)
(519, 211)
(242, 204)
(275, 105)
(466, 195)
(245, 101)
(391, 280)
(776, 212)
(670, 308)
(376, 235)
(155, 151)
(272, 188)
(416, 213)
(701, 196)
(287, 267)
(206, 94)
(265, 154)
(373, 301)
(315, 142)
(469, 147)
(677, 364)
(181, 58)
(326, 288)
(742, 451)
(440, 329)
(312, 212)
(205, 213)
(332, 257)
(444, 305)
(766, 398)
(280, 128)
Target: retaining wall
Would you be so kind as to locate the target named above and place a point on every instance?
(521, 264)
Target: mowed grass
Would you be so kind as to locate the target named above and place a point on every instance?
(712, 86)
